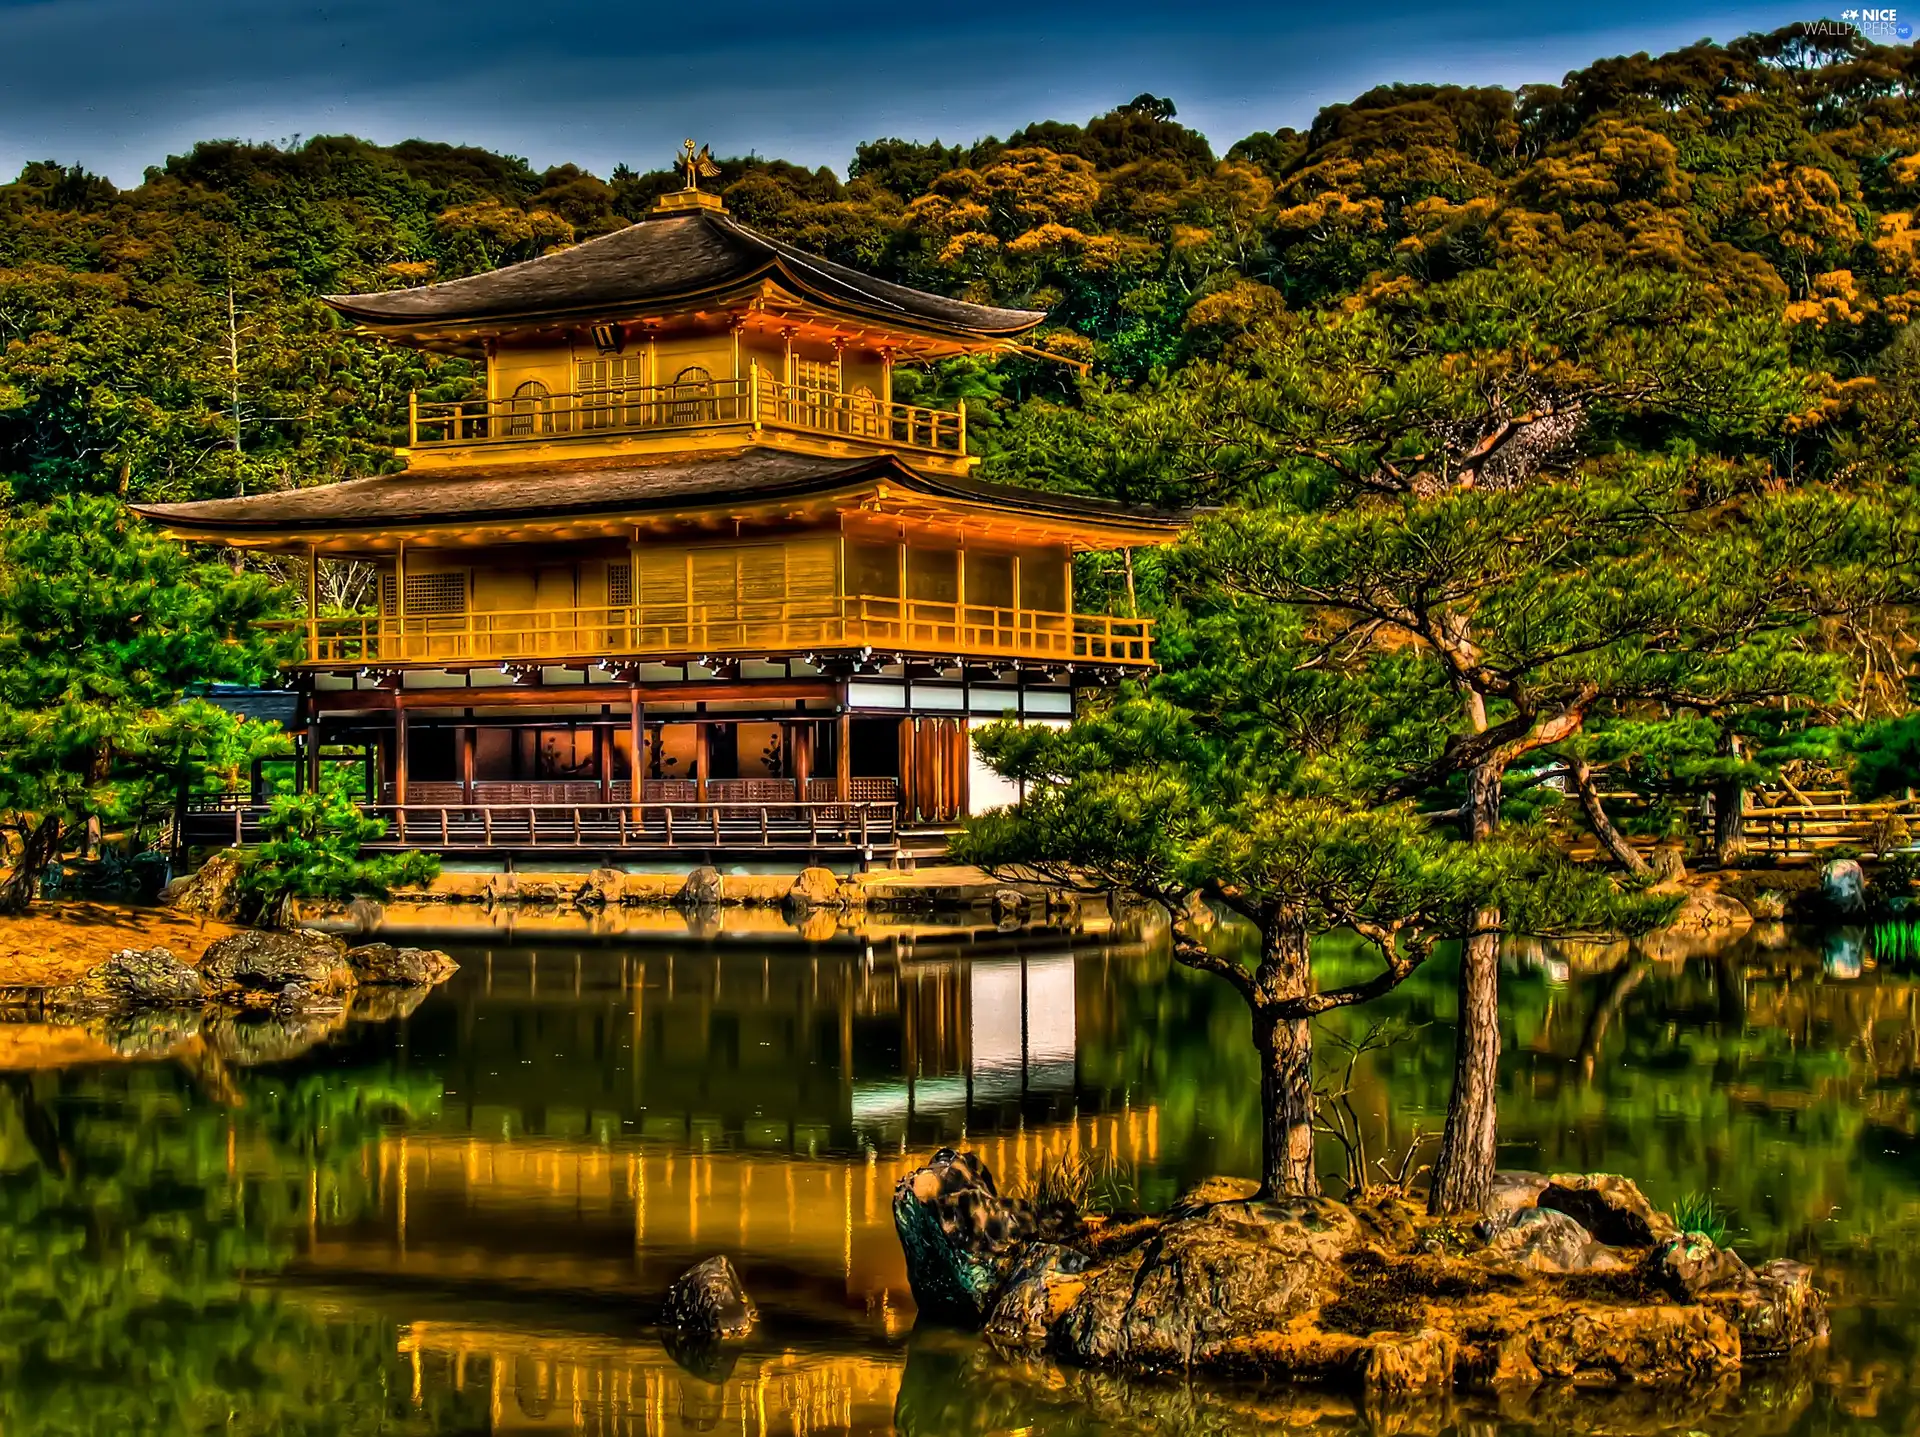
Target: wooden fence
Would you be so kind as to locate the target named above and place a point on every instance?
(1782, 825)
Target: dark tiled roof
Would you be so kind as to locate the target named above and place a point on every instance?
(562, 490)
(669, 257)
(256, 705)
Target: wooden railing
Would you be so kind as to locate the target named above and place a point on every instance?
(861, 827)
(1779, 825)
(744, 627)
(757, 402)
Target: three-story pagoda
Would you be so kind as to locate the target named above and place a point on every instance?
(685, 573)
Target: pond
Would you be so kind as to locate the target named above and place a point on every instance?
(460, 1219)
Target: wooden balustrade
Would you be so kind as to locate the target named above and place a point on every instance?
(864, 828)
(745, 627)
(758, 402)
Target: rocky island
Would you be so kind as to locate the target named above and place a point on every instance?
(1565, 1279)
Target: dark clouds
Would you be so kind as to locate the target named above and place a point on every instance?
(119, 84)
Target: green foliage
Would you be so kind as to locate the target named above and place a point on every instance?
(1885, 756)
(103, 629)
(313, 851)
(1697, 1212)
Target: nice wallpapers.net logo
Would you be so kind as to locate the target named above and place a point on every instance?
(1878, 24)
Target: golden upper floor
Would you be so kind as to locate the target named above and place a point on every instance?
(686, 330)
(739, 555)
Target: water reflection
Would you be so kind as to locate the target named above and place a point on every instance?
(460, 1217)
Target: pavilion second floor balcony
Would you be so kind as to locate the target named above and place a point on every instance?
(757, 404)
(742, 629)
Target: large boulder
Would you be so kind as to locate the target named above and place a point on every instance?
(212, 891)
(278, 968)
(383, 965)
(1512, 1191)
(1704, 911)
(815, 888)
(1211, 1289)
(134, 978)
(1609, 1206)
(603, 887)
(960, 1237)
(1627, 1345)
(1843, 883)
(707, 1303)
(1545, 1240)
(1775, 1309)
(704, 888)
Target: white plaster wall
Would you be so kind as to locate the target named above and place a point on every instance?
(985, 788)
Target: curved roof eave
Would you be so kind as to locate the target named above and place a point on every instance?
(722, 252)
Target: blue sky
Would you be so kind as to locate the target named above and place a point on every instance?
(119, 84)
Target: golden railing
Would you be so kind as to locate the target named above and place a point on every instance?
(744, 628)
(757, 402)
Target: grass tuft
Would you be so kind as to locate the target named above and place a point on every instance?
(1696, 1212)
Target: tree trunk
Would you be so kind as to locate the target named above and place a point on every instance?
(1729, 823)
(1729, 813)
(37, 853)
(1286, 1105)
(1286, 1060)
(1580, 774)
(1463, 1168)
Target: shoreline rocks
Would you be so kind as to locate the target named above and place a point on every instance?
(284, 971)
(1571, 1278)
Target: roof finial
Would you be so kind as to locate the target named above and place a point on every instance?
(698, 165)
(695, 164)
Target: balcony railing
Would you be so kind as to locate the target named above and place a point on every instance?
(758, 402)
(744, 628)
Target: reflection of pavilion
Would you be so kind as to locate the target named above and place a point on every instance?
(808, 1051)
(1019, 1031)
(612, 1117)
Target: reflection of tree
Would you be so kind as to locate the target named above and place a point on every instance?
(134, 1215)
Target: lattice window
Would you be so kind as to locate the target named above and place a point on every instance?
(619, 585)
(428, 595)
(432, 595)
(604, 386)
(815, 374)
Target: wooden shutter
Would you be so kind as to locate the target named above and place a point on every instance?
(662, 596)
(715, 597)
(813, 588)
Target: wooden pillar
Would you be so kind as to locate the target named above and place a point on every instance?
(400, 599)
(399, 748)
(843, 760)
(313, 602)
(701, 749)
(370, 771)
(962, 768)
(906, 767)
(637, 739)
(802, 750)
(603, 761)
(313, 752)
(469, 740)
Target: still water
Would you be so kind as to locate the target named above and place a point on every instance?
(460, 1218)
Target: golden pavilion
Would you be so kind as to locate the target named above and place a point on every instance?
(685, 574)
